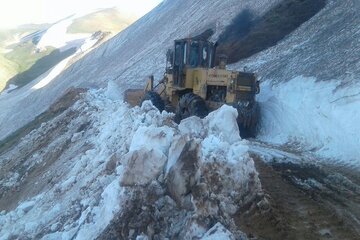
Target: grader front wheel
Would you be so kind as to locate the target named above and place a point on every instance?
(190, 104)
(155, 99)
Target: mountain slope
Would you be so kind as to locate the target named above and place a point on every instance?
(7, 70)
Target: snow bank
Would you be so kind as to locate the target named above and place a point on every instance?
(96, 156)
(321, 116)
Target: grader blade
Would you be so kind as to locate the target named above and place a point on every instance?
(134, 96)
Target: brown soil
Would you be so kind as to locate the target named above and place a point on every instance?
(30, 181)
(63, 103)
(301, 211)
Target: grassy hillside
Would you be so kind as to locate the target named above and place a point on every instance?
(108, 20)
(22, 56)
(23, 64)
(4, 36)
(8, 69)
(19, 64)
(39, 64)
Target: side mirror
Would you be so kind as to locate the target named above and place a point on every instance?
(257, 87)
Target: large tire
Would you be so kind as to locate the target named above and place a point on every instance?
(248, 117)
(190, 104)
(155, 99)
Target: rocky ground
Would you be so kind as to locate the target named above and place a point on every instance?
(305, 202)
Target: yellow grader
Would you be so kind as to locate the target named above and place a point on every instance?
(193, 85)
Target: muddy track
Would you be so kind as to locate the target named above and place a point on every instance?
(33, 176)
(306, 201)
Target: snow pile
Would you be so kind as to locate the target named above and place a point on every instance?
(207, 176)
(101, 165)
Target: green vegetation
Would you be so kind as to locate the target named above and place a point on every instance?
(109, 20)
(4, 36)
(24, 56)
(8, 69)
(23, 64)
(247, 35)
(19, 65)
(39, 64)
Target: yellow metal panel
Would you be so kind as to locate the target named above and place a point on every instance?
(196, 80)
(169, 84)
(201, 88)
(218, 77)
(230, 97)
(189, 79)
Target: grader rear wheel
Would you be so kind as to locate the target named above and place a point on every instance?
(248, 117)
(190, 104)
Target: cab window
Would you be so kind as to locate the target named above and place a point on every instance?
(194, 54)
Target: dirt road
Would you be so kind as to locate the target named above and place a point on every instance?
(305, 200)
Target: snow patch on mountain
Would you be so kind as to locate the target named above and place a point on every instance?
(57, 36)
